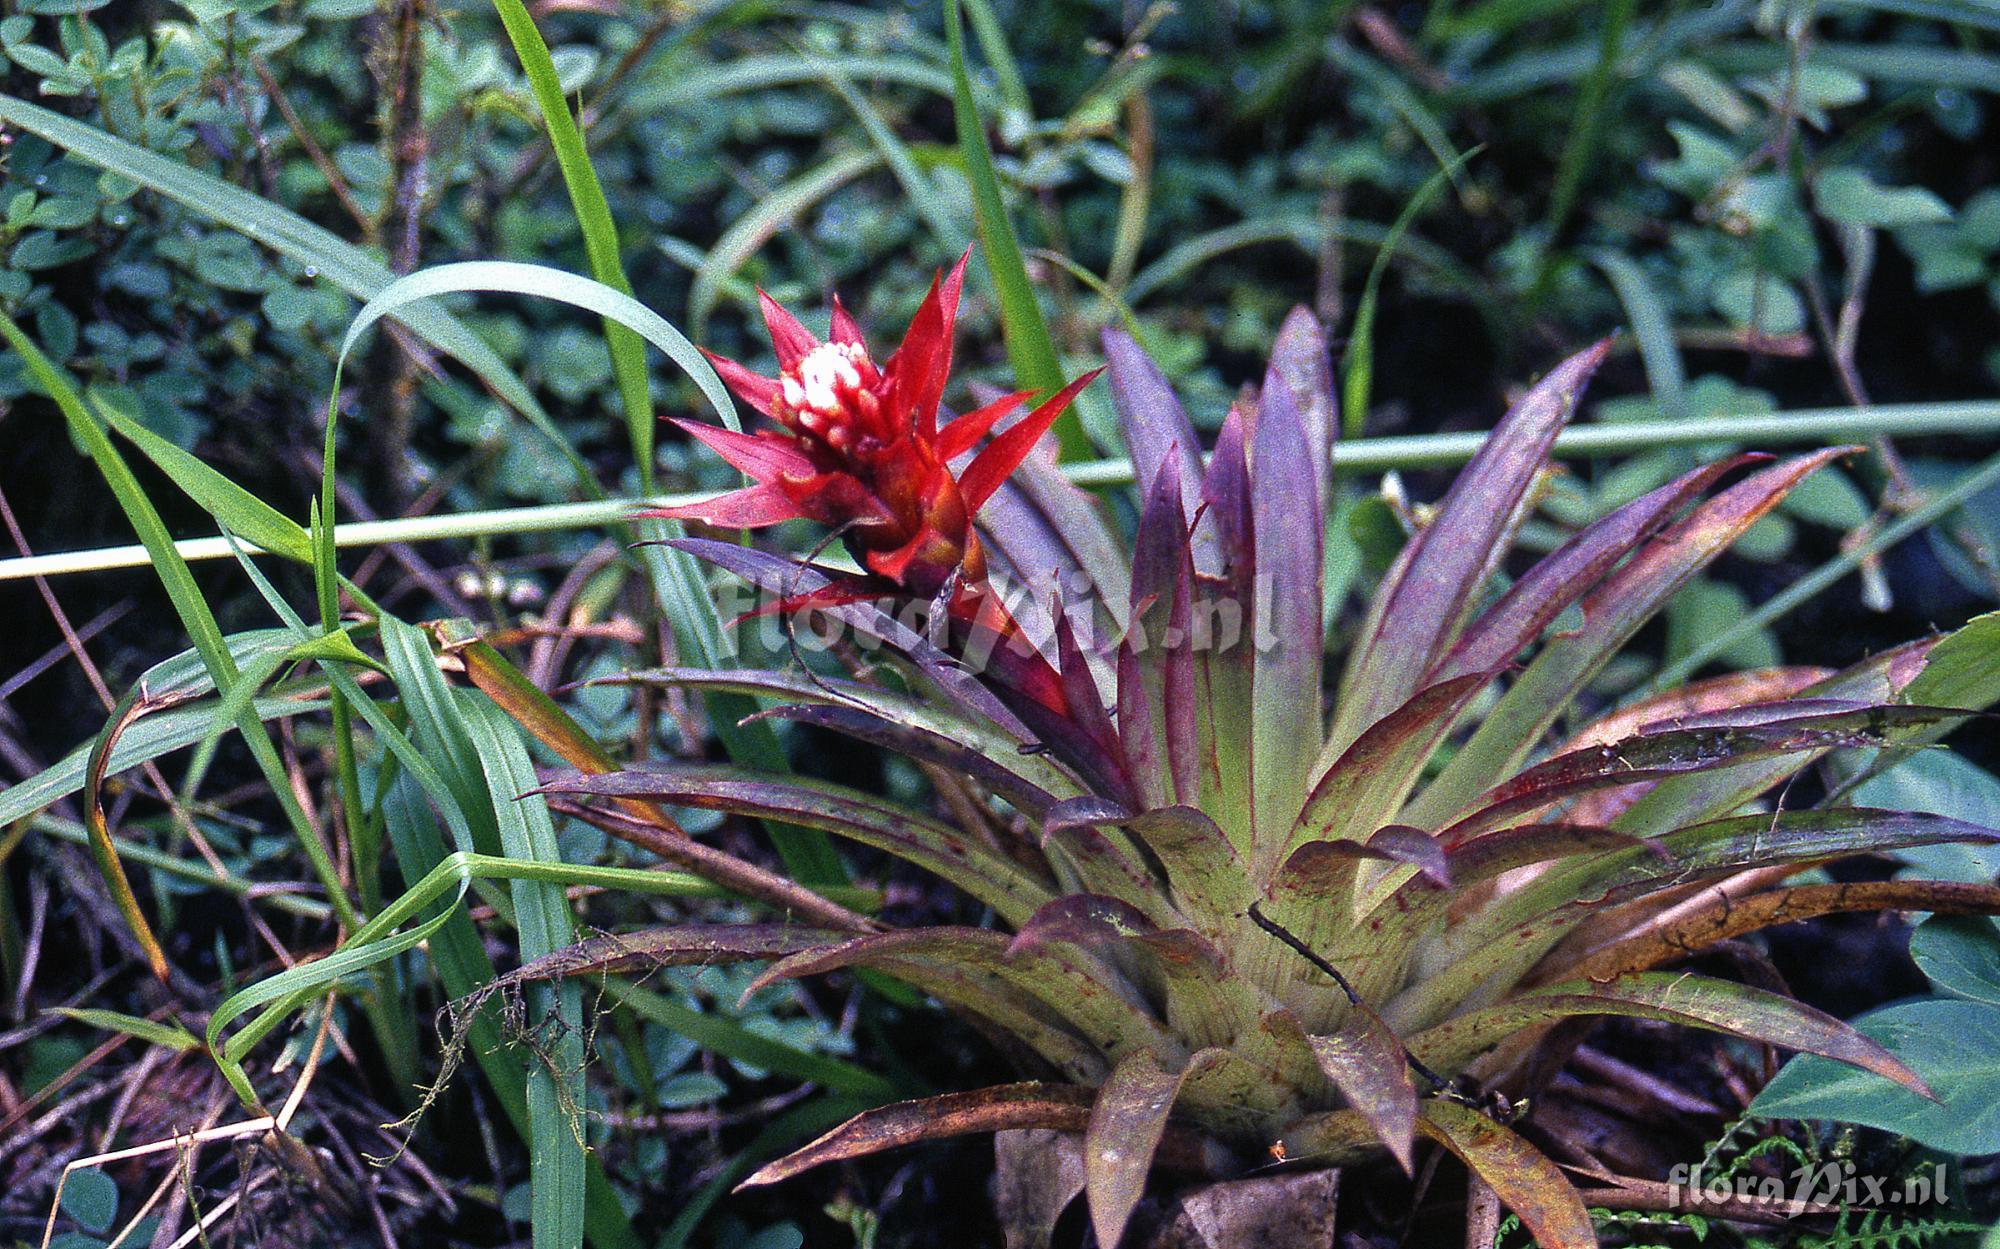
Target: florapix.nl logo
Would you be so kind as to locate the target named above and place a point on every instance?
(1832, 1184)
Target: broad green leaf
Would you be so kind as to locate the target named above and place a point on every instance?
(1852, 198)
(91, 1198)
(1942, 782)
(1961, 955)
(1954, 1046)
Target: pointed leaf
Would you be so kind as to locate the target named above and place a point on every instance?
(1288, 527)
(1612, 612)
(1367, 784)
(1565, 575)
(1676, 997)
(1670, 937)
(1696, 744)
(1525, 1181)
(1421, 608)
(1001, 1108)
(1126, 1123)
(917, 838)
(1366, 1063)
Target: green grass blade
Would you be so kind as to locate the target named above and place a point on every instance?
(148, 738)
(542, 916)
(1590, 118)
(1652, 327)
(192, 609)
(593, 216)
(992, 40)
(324, 253)
(676, 578)
(1358, 364)
(1030, 349)
(464, 967)
(515, 278)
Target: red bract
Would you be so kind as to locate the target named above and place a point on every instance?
(859, 448)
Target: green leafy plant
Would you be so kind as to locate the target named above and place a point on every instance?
(1241, 925)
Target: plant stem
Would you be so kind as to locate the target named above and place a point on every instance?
(1588, 442)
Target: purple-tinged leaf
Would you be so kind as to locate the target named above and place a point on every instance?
(1366, 785)
(1366, 1063)
(1525, 1181)
(936, 716)
(978, 765)
(1081, 919)
(1126, 1123)
(1675, 997)
(1095, 745)
(1420, 609)
(1076, 520)
(1068, 983)
(1715, 740)
(938, 848)
(1157, 430)
(1288, 525)
(1156, 669)
(1523, 845)
(1103, 862)
(1612, 613)
(1512, 932)
(696, 945)
(787, 579)
(1399, 843)
(1223, 639)
(1300, 359)
(1720, 917)
(1001, 1108)
(1678, 801)
(1562, 577)
(1225, 495)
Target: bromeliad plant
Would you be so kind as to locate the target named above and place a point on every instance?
(1242, 923)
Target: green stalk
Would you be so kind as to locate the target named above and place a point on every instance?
(1803, 427)
(1030, 350)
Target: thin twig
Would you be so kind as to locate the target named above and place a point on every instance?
(1307, 953)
